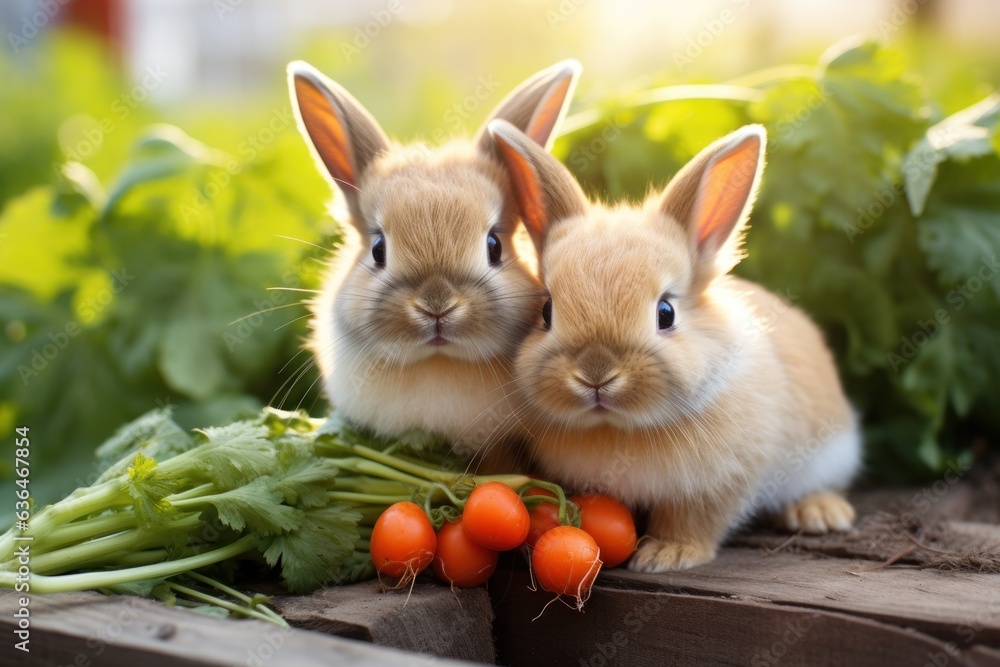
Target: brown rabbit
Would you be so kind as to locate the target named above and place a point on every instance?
(428, 300)
(656, 377)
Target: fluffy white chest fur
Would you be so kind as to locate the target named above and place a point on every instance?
(458, 400)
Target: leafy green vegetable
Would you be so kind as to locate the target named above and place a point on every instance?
(272, 484)
(148, 489)
(321, 543)
(154, 434)
(960, 137)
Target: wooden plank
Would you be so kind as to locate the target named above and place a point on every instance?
(430, 618)
(984, 656)
(881, 536)
(961, 607)
(970, 496)
(628, 627)
(89, 629)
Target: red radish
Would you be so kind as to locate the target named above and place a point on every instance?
(403, 541)
(610, 524)
(544, 517)
(495, 517)
(566, 561)
(539, 491)
(460, 561)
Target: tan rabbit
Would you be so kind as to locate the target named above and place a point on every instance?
(423, 310)
(656, 377)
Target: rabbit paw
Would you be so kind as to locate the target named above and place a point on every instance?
(819, 513)
(656, 556)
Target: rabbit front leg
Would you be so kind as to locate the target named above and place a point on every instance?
(682, 534)
(819, 513)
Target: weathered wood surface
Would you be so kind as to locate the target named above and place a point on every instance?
(876, 596)
(90, 629)
(949, 605)
(635, 628)
(902, 538)
(429, 618)
(908, 587)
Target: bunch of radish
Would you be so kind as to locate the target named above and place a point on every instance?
(567, 540)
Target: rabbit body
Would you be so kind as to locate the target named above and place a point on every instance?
(661, 380)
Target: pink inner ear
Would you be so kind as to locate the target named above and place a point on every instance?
(724, 191)
(544, 119)
(526, 189)
(326, 131)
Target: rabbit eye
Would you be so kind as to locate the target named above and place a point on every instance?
(494, 249)
(664, 315)
(378, 251)
(547, 314)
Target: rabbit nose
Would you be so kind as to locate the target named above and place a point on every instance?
(595, 384)
(596, 368)
(436, 298)
(436, 313)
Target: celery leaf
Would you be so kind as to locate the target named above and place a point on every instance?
(313, 554)
(257, 506)
(148, 488)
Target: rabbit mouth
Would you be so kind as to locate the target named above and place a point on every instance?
(598, 403)
(437, 332)
(595, 396)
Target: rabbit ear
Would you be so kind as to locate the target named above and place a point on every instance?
(712, 195)
(537, 106)
(545, 191)
(343, 135)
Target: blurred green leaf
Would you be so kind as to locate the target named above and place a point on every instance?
(960, 137)
(43, 250)
(160, 299)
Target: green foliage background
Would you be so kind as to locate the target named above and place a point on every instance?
(145, 268)
(124, 281)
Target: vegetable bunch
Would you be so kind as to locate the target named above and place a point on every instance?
(323, 505)
(272, 487)
(565, 539)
